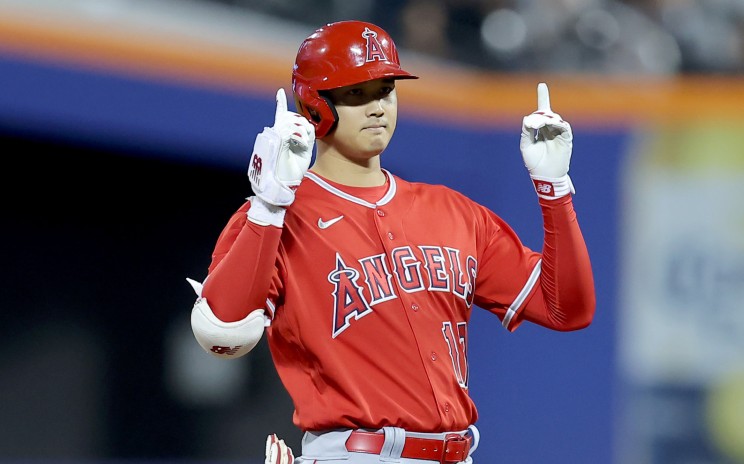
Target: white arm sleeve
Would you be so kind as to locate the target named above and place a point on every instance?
(224, 339)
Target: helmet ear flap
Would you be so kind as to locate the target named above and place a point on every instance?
(329, 116)
(320, 111)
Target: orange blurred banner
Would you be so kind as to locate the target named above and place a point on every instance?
(446, 93)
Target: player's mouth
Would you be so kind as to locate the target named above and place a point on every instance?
(375, 127)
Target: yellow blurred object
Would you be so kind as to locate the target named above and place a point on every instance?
(725, 415)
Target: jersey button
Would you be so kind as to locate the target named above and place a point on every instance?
(415, 307)
(380, 212)
(433, 356)
(390, 235)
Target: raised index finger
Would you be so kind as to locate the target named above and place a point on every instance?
(543, 97)
(281, 103)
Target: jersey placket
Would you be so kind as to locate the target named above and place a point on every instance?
(391, 232)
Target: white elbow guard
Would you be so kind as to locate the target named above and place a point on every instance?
(226, 339)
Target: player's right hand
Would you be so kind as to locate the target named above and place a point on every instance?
(277, 452)
(281, 155)
(546, 144)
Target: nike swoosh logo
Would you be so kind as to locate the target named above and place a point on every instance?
(326, 224)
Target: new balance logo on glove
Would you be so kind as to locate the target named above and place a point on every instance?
(544, 188)
(254, 173)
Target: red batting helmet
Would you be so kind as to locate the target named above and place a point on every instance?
(336, 55)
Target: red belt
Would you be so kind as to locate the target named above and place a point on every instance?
(451, 449)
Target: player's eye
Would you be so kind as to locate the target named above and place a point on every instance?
(385, 91)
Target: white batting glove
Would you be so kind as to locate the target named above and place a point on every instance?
(546, 144)
(277, 452)
(281, 157)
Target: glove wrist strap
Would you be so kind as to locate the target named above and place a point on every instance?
(551, 188)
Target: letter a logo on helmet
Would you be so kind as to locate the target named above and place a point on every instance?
(336, 55)
(374, 50)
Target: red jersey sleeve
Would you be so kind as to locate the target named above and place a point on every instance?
(565, 299)
(242, 267)
(554, 289)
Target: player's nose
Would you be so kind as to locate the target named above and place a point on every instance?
(374, 108)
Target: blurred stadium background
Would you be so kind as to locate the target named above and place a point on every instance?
(125, 126)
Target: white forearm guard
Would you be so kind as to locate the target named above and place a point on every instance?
(225, 339)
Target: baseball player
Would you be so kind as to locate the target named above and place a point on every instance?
(364, 282)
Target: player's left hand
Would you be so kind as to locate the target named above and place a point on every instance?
(277, 452)
(546, 144)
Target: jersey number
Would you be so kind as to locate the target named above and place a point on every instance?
(457, 341)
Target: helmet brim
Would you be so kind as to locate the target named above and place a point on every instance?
(362, 74)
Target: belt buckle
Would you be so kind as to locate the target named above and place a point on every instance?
(455, 448)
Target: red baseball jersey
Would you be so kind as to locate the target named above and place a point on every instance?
(370, 300)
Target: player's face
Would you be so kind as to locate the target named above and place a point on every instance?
(367, 116)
